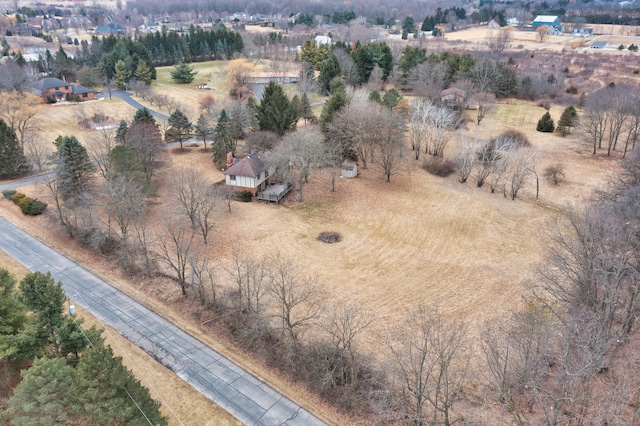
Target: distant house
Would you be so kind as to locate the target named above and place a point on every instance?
(111, 28)
(266, 77)
(454, 97)
(599, 45)
(56, 90)
(548, 20)
(322, 39)
(247, 174)
(582, 32)
(493, 24)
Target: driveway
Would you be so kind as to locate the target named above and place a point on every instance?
(127, 97)
(222, 381)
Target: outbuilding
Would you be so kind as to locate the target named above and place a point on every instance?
(552, 21)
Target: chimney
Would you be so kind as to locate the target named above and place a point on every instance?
(229, 160)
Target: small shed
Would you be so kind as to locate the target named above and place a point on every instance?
(349, 170)
(599, 45)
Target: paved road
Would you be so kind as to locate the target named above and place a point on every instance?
(235, 390)
(126, 96)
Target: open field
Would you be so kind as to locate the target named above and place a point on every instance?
(181, 404)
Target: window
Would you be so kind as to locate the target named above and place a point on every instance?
(84, 95)
(232, 178)
(57, 88)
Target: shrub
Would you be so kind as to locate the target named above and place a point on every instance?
(25, 204)
(37, 207)
(546, 124)
(572, 90)
(512, 139)
(439, 166)
(17, 197)
(244, 196)
(554, 173)
(8, 193)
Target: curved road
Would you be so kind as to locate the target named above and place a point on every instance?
(235, 390)
(127, 97)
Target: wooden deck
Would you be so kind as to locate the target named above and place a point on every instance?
(274, 193)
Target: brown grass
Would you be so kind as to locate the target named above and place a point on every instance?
(181, 403)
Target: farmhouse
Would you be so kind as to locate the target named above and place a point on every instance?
(56, 90)
(599, 45)
(494, 25)
(549, 20)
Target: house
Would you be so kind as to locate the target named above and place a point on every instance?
(582, 32)
(599, 45)
(247, 174)
(454, 97)
(110, 28)
(493, 24)
(548, 20)
(56, 90)
(266, 77)
(322, 39)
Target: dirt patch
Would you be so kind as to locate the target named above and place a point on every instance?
(329, 237)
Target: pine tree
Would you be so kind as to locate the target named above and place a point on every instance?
(143, 72)
(305, 107)
(122, 74)
(104, 392)
(12, 314)
(12, 160)
(223, 141)
(391, 98)
(143, 116)
(74, 168)
(180, 128)
(329, 69)
(41, 397)
(567, 120)
(546, 124)
(121, 131)
(275, 112)
(337, 100)
(203, 129)
(183, 73)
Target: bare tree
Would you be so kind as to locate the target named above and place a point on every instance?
(595, 120)
(543, 32)
(429, 359)
(99, 147)
(297, 154)
(38, 150)
(294, 295)
(344, 325)
(390, 157)
(125, 202)
(306, 78)
(499, 40)
(428, 79)
(252, 278)
(19, 112)
(468, 157)
(146, 141)
(198, 200)
(521, 164)
(485, 74)
(175, 247)
(485, 102)
(555, 173)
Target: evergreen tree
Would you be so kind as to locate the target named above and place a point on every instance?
(183, 73)
(567, 120)
(375, 97)
(55, 333)
(180, 128)
(12, 314)
(105, 392)
(203, 129)
(124, 162)
(329, 69)
(408, 25)
(411, 58)
(143, 72)
(252, 112)
(546, 124)
(305, 109)
(121, 131)
(122, 74)
(223, 141)
(297, 104)
(143, 116)
(337, 100)
(42, 395)
(391, 98)
(275, 112)
(74, 168)
(12, 160)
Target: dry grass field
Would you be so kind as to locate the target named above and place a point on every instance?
(418, 239)
(181, 404)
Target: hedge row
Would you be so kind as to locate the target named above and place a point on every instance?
(29, 206)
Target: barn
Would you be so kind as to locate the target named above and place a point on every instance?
(549, 20)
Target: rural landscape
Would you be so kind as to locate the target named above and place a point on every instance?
(403, 213)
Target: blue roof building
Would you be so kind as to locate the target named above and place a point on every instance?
(549, 20)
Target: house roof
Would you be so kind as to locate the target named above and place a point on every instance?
(452, 91)
(601, 44)
(78, 89)
(545, 18)
(49, 83)
(250, 166)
